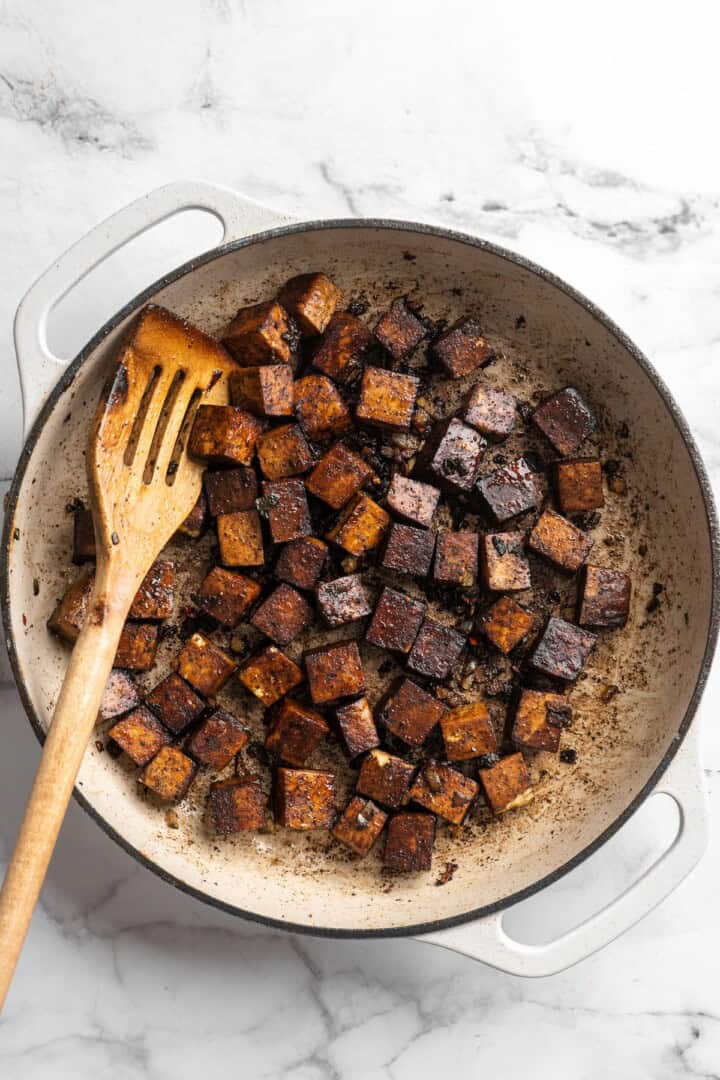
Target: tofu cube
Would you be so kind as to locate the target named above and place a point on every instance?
(509, 491)
(230, 490)
(409, 843)
(506, 624)
(154, 598)
(338, 475)
(226, 596)
(408, 550)
(359, 825)
(284, 451)
(320, 409)
(399, 330)
(357, 727)
(342, 349)
(444, 791)
(175, 703)
(169, 774)
(224, 435)
(605, 597)
(311, 299)
(286, 506)
(411, 713)
(304, 799)
(334, 672)
(83, 536)
(343, 600)
(562, 650)
(559, 541)
(263, 391)
(450, 456)
(301, 561)
(387, 399)
(491, 412)
(68, 618)
(467, 732)
(360, 527)
(237, 805)
(565, 420)
(217, 740)
(456, 558)
(240, 538)
(436, 650)
(539, 719)
(412, 500)
(119, 697)
(462, 348)
(262, 334)
(578, 485)
(137, 646)
(507, 784)
(195, 523)
(140, 735)
(283, 615)
(396, 621)
(205, 665)
(503, 562)
(295, 733)
(385, 778)
(269, 675)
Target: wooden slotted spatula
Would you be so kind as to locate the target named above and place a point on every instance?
(142, 487)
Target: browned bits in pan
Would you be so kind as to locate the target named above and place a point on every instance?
(140, 734)
(230, 490)
(224, 435)
(237, 805)
(295, 733)
(338, 475)
(262, 334)
(304, 799)
(264, 391)
(409, 844)
(285, 505)
(462, 348)
(399, 330)
(217, 740)
(359, 825)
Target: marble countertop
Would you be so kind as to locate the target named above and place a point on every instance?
(584, 141)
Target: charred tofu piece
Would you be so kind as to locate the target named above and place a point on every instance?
(68, 618)
(506, 624)
(284, 451)
(343, 600)
(342, 350)
(237, 805)
(491, 412)
(226, 596)
(224, 435)
(411, 713)
(338, 475)
(169, 774)
(507, 784)
(304, 799)
(462, 348)
(562, 650)
(399, 330)
(387, 399)
(579, 486)
(357, 727)
(509, 491)
(359, 825)
(396, 621)
(560, 542)
(384, 778)
(240, 539)
(450, 456)
(195, 523)
(218, 739)
(409, 843)
(286, 506)
(295, 733)
(83, 536)
(539, 719)
(154, 598)
(269, 675)
(263, 391)
(565, 420)
(334, 672)
(311, 299)
(605, 597)
(230, 490)
(175, 703)
(119, 697)
(205, 665)
(140, 735)
(137, 646)
(320, 409)
(444, 791)
(436, 650)
(408, 550)
(503, 562)
(283, 616)
(456, 558)
(412, 500)
(300, 562)
(262, 334)
(468, 732)
(360, 527)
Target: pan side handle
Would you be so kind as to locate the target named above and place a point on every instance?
(39, 368)
(487, 941)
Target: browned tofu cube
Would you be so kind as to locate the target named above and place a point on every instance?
(263, 391)
(342, 349)
(284, 451)
(357, 727)
(579, 485)
(175, 703)
(565, 420)
(360, 527)
(409, 843)
(343, 600)
(154, 598)
(304, 799)
(334, 672)
(283, 615)
(295, 733)
(436, 650)
(311, 299)
(195, 523)
(300, 562)
(450, 456)
(506, 624)
(338, 475)
(237, 805)
(217, 740)
(269, 675)
(408, 550)
(456, 558)
(83, 536)
(562, 650)
(444, 791)
(119, 696)
(605, 597)
(226, 596)
(411, 713)
(320, 409)
(509, 491)
(68, 618)
(230, 490)
(491, 412)
(359, 825)
(559, 541)
(205, 665)
(507, 784)
(462, 348)
(140, 735)
(503, 562)
(399, 330)
(240, 538)
(412, 500)
(396, 621)
(285, 504)
(468, 732)
(169, 774)
(387, 399)
(385, 778)
(539, 719)
(137, 646)
(262, 334)
(224, 435)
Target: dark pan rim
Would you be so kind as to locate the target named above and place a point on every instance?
(607, 323)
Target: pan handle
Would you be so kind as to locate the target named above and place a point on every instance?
(486, 940)
(39, 368)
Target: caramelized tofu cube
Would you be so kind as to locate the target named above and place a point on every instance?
(320, 409)
(507, 784)
(411, 713)
(491, 412)
(409, 844)
(334, 672)
(450, 456)
(539, 718)
(605, 597)
(68, 618)
(237, 805)
(263, 391)
(83, 536)
(224, 435)
(462, 348)
(503, 562)
(226, 596)
(579, 485)
(338, 475)
(304, 799)
(387, 399)
(468, 732)
(284, 451)
(311, 299)
(119, 697)
(359, 825)
(154, 598)
(300, 562)
(137, 646)
(384, 778)
(269, 675)
(444, 791)
(240, 538)
(169, 774)
(286, 505)
(360, 527)
(175, 703)
(408, 550)
(343, 347)
(396, 621)
(562, 650)
(140, 735)
(195, 523)
(218, 739)
(565, 420)
(509, 491)
(559, 541)
(412, 500)
(262, 334)
(436, 650)
(399, 330)
(283, 616)
(295, 733)
(456, 559)
(205, 665)
(343, 600)
(230, 490)
(506, 624)
(357, 727)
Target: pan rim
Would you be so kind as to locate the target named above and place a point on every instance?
(595, 312)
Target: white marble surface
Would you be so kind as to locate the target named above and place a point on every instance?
(582, 137)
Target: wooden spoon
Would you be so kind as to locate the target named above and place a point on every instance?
(142, 487)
